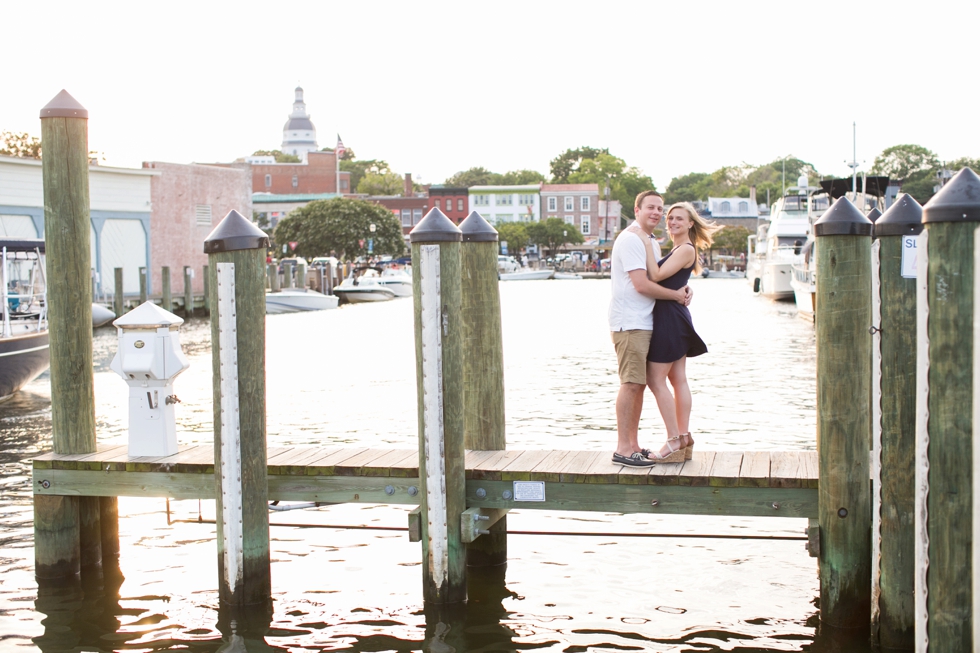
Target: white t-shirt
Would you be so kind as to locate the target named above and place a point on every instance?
(628, 309)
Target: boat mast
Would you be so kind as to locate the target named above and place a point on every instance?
(6, 299)
(853, 165)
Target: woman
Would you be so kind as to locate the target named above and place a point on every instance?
(674, 339)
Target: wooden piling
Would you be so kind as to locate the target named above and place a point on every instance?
(167, 303)
(64, 138)
(118, 297)
(843, 414)
(287, 275)
(301, 275)
(944, 483)
(893, 427)
(483, 366)
(144, 290)
(109, 524)
(207, 287)
(236, 252)
(273, 274)
(188, 292)
(439, 372)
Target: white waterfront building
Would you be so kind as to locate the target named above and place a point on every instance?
(507, 203)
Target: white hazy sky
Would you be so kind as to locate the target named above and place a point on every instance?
(436, 87)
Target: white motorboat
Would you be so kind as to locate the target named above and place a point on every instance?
(399, 280)
(527, 275)
(101, 315)
(297, 300)
(364, 285)
(804, 281)
(567, 275)
(24, 353)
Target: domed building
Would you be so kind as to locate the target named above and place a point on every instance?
(299, 134)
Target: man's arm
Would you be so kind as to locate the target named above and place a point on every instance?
(655, 291)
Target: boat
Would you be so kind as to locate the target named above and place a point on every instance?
(101, 315)
(298, 300)
(399, 280)
(24, 353)
(364, 285)
(567, 275)
(527, 275)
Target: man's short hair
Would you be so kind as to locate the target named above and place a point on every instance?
(645, 194)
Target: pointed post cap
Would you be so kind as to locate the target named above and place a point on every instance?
(902, 218)
(842, 219)
(233, 233)
(477, 230)
(874, 214)
(957, 201)
(435, 227)
(147, 316)
(63, 105)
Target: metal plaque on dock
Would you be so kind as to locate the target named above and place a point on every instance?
(528, 490)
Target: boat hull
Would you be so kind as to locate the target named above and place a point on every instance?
(298, 302)
(399, 288)
(529, 275)
(365, 295)
(22, 359)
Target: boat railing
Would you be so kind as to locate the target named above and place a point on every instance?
(25, 300)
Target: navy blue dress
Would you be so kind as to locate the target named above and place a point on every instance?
(673, 330)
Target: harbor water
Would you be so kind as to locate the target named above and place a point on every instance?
(347, 377)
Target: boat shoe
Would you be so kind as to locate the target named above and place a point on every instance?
(636, 459)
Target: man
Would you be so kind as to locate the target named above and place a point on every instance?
(631, 322)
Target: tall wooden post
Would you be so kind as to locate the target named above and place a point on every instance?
(236, 255)
(483, 366)
(893, 426)
(287, 275)
(843, 321)
(188, 292)
(273, 274)
(118, 298)
(439, 370)
(207, 287)
(168, 300)
(944, 443)
(144, 289)
(301, 274)
(64, 138)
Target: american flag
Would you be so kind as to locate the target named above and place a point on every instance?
(340, 149)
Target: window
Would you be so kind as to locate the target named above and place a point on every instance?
(570, 219)
(343, 184)
(505, 200)
(406, 217)
(438, 204)
(585, 204)
(726, 207)
(202, 215)
(416, 215)
(505, 217)
(569, 203)
(459, 204)
(481, 200)
(552, 204)
(268, 181)
(526, 200)
(743, 207)
(586, 224)
(295, 181)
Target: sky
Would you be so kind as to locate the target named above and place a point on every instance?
(437, 87)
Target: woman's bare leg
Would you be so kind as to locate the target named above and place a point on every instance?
(657, 381)
(682, 395)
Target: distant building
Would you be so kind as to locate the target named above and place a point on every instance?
(318, 174)
(408, 210)
(274, 208)
(576, 204)
(506, 203)
(299, 134)
(734, 211)
(451, 200)
(610, 216)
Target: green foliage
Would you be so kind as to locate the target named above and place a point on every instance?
(568, 162)
(734, 181)
(385, 183)
(279, 155)
(20, 144)
(514, 234)
(482, 177)
(964, 162)
(358, 169)
(732, 239)
(688, 188)
(553, 234)
(338, 227)
(588, 165)
(520, 178)
(904, 161)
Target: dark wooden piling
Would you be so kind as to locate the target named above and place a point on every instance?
(483, 366)
(144, 289)
(109, 523)
(843, 414)
(893, 408)
(236, 254)
(207, 287)
(119, 297)
(439, 372)
(945, 481)
(188, 292)
(273, 273)
(168, 300)
(64, 138)
(287, 275)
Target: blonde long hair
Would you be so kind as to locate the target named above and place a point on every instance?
(701, 231)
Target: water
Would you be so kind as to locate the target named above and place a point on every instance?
(347, 376)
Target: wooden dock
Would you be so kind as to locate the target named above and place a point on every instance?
(724, 483)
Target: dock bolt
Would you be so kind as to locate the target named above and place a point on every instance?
(171, 399)
(481, 493)
(481, 517)
(775, 505)
(482, 532)
(45, 484)
(507, 494)
(655, 503)
(389, 490)
(412, 490)
(842, 513)
(873, 330)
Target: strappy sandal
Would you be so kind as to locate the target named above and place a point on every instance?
(689, 449)
(675, 456)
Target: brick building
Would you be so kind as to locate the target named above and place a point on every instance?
(316, 176)
(451, 200)
(576, 204)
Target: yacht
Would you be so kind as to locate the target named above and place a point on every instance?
(298, 300)
(24, 351)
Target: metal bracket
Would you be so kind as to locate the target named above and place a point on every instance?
(813, 538)
(475, 522)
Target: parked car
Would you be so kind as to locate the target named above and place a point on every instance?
(507, 264)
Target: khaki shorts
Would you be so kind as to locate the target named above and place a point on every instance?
(631, 352)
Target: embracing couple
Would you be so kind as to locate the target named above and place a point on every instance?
(651, 325)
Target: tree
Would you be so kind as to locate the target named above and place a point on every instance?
(732, 239)
(903, 161)
(280, 156)
(735, 181)
(964, 162)
(520, 178)
(514, 234)
(599, 167)
(358, 169)
(341, 227)
(570, 160)
(20, 144)
(473, 177)
(691, 187)
(384, 183)
(553, 234)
